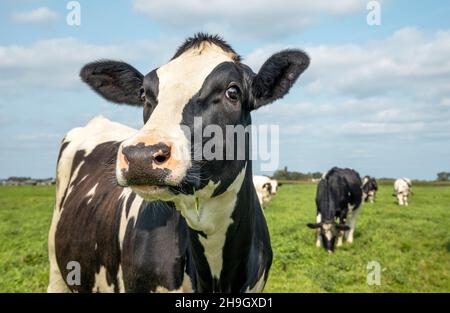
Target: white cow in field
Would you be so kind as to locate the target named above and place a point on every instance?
(265, 188)
(403, 188)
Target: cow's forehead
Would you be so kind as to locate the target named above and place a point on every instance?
(187, 72)
(181, 78)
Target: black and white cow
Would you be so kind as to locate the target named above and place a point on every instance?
(369, 188)
(135, 209)
(266, 188)
(338, 195)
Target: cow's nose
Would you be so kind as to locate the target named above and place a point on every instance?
(142, 164)
(143, 156)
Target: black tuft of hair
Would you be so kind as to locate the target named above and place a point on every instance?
(197, 39)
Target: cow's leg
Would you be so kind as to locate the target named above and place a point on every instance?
(371, 197)
(405, 199)
(318, 238)
(340, 237)
(56, 283)
(400, 198)
(352, 225)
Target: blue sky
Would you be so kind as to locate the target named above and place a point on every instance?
(375, 98)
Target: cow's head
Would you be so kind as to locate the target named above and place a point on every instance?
(204, 84)
(329, 230)
(369, 188)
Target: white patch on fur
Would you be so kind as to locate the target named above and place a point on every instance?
(258, 286)
(56, 283)
(327, 228)
(352, 225)
(213, 217)
(132, 213)
(120, 283)
(91, 193)
(101, 282)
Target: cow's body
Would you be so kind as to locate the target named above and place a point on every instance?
(402, 189)
(161, 208)
(266, 188)
(370, 188)
(124, 243)
(338, 201)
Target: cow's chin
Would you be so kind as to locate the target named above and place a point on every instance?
(153, 193)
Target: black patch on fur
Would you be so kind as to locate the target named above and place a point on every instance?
(154, 249)
(130, 200)
(151, 91)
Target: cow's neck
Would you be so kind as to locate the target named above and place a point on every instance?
(214, 224)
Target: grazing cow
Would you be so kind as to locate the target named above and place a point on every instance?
(138, 210)
(338, 194)
(266, 187)
(369, 188)
(402, 189)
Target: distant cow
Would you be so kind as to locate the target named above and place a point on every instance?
(266, 187)
(402, 189)
(338, 194)
(369, 188)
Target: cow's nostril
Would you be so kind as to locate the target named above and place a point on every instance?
(161, 156)
(159, 159)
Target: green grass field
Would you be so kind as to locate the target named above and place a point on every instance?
(412, 244)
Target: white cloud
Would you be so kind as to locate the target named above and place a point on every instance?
(398, 86)
(445, 102)
(55, 63)
(364, 128)
(411, 63)
(37, 16)
(251, 18)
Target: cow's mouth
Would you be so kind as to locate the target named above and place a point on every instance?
(152, 192)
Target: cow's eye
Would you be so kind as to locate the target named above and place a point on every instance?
(233, 93)
(142, 94)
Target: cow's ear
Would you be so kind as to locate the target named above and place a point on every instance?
(277, 75)
(313, 226)
(116, 81)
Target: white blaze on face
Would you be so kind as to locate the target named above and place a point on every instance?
(328, 231)
(179, 81)
(274, 184)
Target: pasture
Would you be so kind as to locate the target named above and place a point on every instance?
(412, 244)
